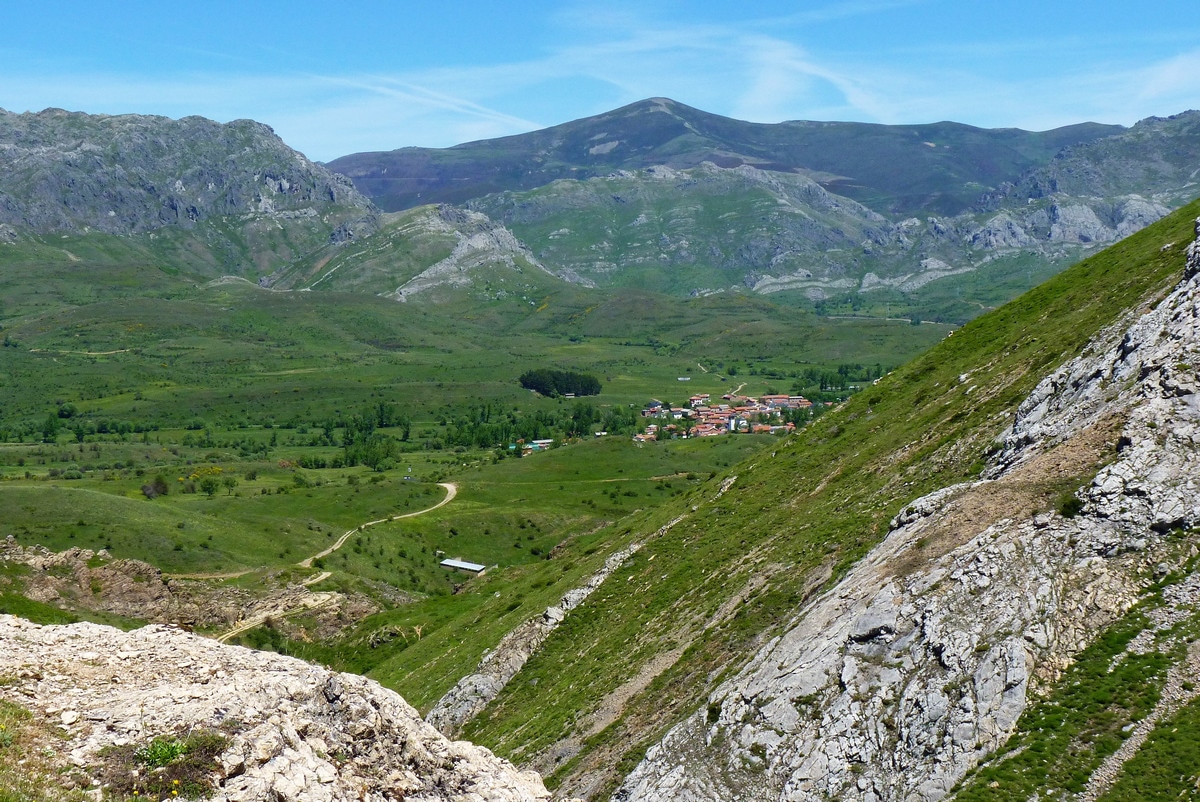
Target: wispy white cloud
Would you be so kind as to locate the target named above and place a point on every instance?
(841, 10)
(405, 91)
(1172, 80)
(765, 69)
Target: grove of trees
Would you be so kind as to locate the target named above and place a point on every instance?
(551, 382)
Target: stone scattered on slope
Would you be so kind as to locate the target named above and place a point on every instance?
(296, 731)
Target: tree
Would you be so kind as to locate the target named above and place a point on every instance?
(210, 485)
(50, 428)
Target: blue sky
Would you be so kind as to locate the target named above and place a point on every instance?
(337, 78)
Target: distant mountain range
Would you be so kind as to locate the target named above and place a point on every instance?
(655, 196)
(663, 197)
(937, 169)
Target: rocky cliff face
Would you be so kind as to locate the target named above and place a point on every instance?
(72, 172)
(917, 665)
(290, 730)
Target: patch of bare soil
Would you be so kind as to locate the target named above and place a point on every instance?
(74, 580)
(1023, 492)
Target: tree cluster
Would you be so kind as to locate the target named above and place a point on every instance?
(487, 426)
(551, 382)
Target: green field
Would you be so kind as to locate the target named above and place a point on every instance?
(230, 429)
(118, 375)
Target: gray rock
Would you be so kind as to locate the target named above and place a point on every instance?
(891, 686)
(296, 731)
(71, 172)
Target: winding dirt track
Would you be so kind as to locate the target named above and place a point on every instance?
(451, 492)
(317, 600)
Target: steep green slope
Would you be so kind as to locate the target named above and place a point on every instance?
(720, 570)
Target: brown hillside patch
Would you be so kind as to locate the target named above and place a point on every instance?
(1027, 490)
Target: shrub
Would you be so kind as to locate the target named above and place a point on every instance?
(166, 767)
(1070, 505)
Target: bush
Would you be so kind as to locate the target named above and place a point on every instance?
(1070, 505)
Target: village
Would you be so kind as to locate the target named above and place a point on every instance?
(700, 417)
(736, 414)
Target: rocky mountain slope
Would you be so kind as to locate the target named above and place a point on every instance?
(913, 669)
(235, 190)
(710, 229)
(664, 197)
(1130, 161)
(431, 248)
(937, 168)
(128, 707)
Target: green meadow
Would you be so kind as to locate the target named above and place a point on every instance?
(214, 427)
(222, 428)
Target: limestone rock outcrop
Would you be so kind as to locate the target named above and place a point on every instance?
(918, 663)
(295, 731)
(121, 174)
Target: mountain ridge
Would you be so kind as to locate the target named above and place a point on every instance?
(227, 197)
(831, 152)
(911, 214)
(655, 196)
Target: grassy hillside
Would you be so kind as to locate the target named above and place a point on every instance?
(120, 367)
(703, 593)
(121, 370)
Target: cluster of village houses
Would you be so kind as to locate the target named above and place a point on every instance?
(737, 413)
(702, 418)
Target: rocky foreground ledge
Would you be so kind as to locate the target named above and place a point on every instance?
(288, 730)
